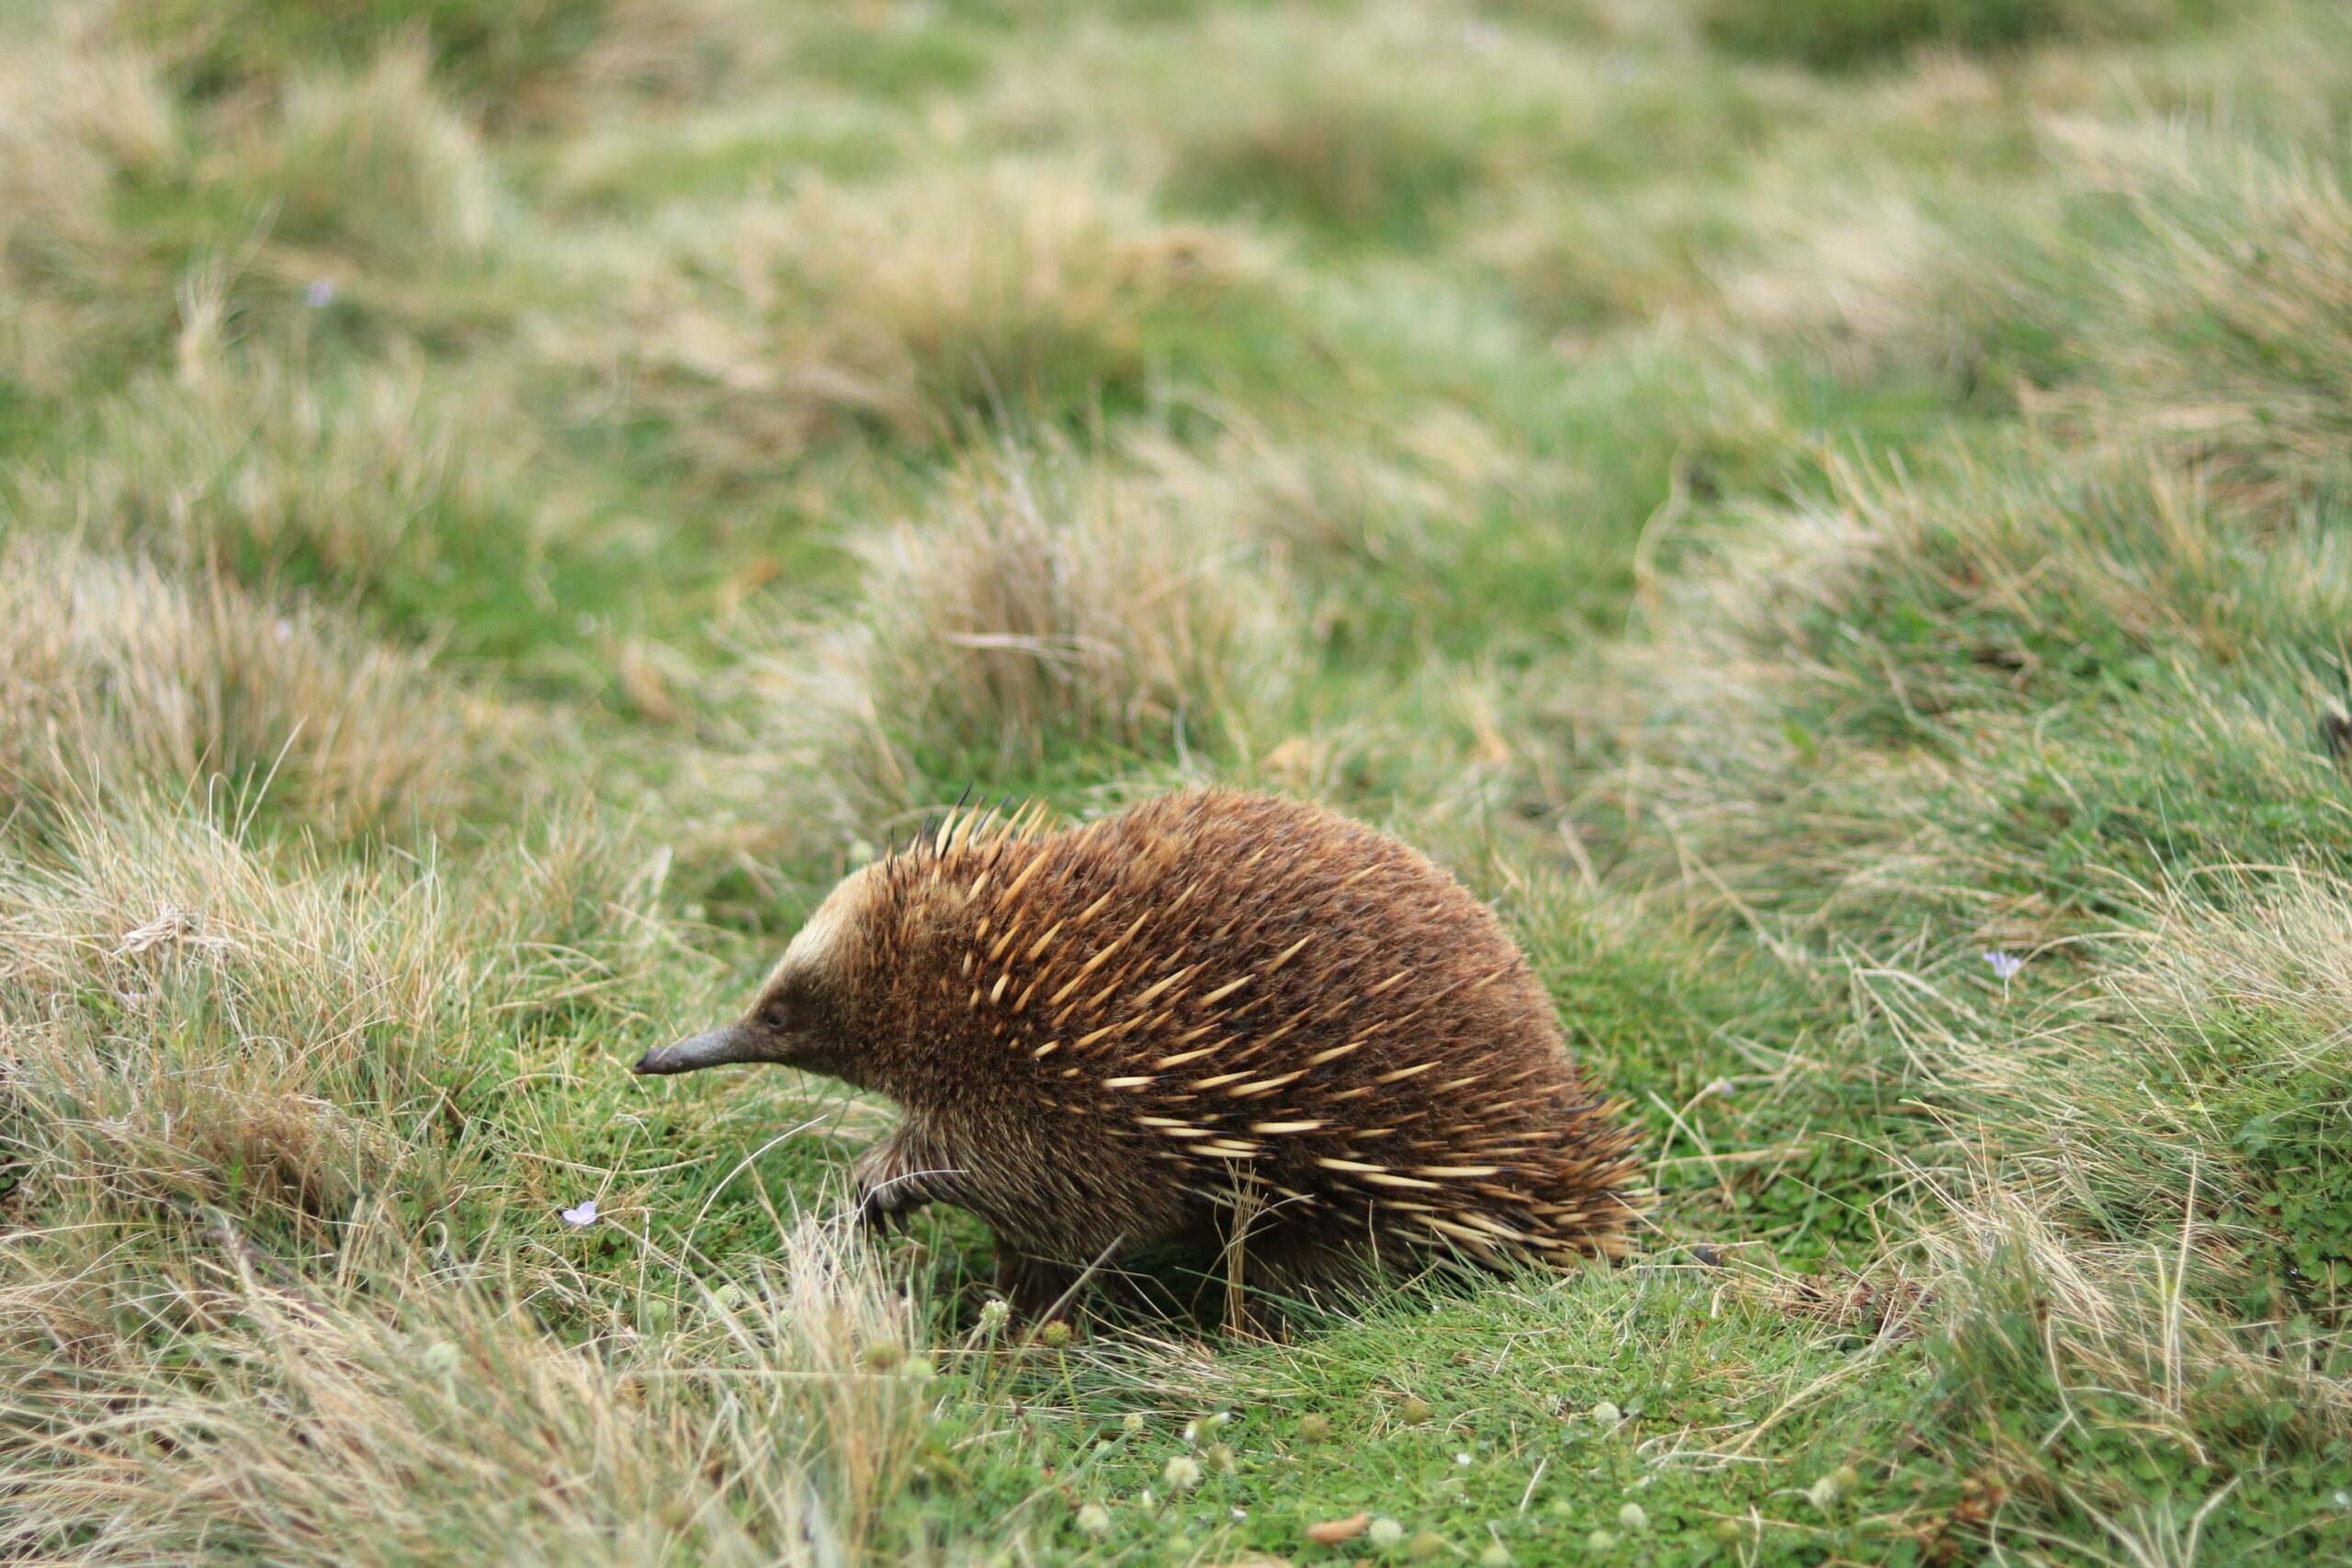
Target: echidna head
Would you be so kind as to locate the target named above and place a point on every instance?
(797, 1020)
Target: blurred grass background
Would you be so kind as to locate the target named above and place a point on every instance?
(504, 501)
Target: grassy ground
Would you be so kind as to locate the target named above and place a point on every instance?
(1792, 498)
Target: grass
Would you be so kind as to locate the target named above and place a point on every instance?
(503, 504)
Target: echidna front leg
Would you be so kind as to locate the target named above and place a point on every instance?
(1034, 1288)
(898, 1176)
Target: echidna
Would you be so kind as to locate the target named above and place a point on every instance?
(1218, 1022)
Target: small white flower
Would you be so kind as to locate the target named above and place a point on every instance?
(1192, 1432)
(2004, 965)
(1822, 1493)
(1462, 1458)
(1183, 1473)
(1497, 1555)
(1131, 1422)
(1607, 1414)
(1240, 1513)
(1385, 1533)
(2344, 1499)
(1632, 1517)
(1148, 1497)
(320, 293)
(994, 1313)
(583, 1215)
(1600, 1540)
(1094, 1520)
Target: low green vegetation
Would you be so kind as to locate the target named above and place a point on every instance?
(1836, 518)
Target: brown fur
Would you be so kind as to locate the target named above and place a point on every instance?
(1214, 1012)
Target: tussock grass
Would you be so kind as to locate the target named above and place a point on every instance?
(156, 956)
(915, 313)
(1043, 608)
(1385, 131)
(121, 677)
(380, 482)
(79, 126)
(304, 1418)
(374, 165)
(532, 60)
(1843, 33)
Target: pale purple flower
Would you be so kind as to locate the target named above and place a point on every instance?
(582, 1216)
(320, 293)
(2004, 965)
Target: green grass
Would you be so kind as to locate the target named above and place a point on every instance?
(503, 505)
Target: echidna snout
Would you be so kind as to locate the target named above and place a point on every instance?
(1225, 1024)
(797, 1021)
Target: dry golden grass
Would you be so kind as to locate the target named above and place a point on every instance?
(216, 1058)
(310, 1419)
(918, 311)
(1043, 604)
(118, 677)
(374, 167)
(245, 458)
(74, 126)
(521, 63)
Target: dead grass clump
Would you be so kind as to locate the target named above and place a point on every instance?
(1841, 34)
(77, 131)
(129, 221)
(195, 1018)
(397, 1415)
(2229, 1109)
(2088, 1382)
(923, 309)
(335, 478)
(1582, 262)
(372, 167)
(2175, 282)
(1875, 282)
(513, 61)
(1045, 606)
(2226, 315)
(189, 1022)
(1375, 128)
(115, 676)
(1327, 508)
(1863, 697)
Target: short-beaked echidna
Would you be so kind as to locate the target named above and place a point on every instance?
(1218, 1022)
